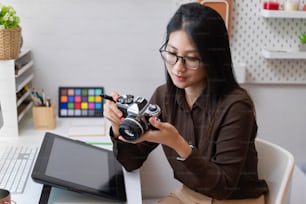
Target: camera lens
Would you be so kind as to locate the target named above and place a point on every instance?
(131, 129)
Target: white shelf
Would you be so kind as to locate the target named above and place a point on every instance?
(24, 96)
(283, 14)
(25, 68)
(282, 54)
(25, 110)
(24, 80)
(11, 83)
(23, 52)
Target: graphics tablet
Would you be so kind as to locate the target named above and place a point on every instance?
(76, 166)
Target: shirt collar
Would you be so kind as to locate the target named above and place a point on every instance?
(200, 102)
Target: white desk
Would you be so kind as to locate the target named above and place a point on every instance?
(32, 191)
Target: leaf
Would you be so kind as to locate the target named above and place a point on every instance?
(8, 17)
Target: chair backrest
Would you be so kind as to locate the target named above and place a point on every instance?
(276, 166)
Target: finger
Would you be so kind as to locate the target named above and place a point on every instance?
(113, 108)
(115, 95)
(155, 122)
(112, 113)
(124, 140)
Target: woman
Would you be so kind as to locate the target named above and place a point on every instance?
(207, 126)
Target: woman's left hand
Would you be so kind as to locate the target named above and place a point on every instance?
(167, 135)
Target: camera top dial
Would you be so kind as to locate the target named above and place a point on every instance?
(126, 99)
(153, 110)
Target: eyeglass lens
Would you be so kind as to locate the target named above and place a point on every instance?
(171, 58)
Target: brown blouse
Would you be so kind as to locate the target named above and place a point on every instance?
(223, 163)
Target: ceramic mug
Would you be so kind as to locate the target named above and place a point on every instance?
(291, 5)
(5, 197)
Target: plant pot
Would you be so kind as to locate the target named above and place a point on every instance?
(10, 42)
(302, 47)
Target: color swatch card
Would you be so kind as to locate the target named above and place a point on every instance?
(80, 102)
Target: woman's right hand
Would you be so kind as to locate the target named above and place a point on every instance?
(113, 114)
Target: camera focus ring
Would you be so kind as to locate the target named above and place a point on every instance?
(131, 129)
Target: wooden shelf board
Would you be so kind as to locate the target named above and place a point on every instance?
(282, 54)
(283, 14)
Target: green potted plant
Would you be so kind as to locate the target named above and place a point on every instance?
(10, 33)
(302, 38)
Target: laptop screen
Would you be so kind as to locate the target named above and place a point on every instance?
(77, 166)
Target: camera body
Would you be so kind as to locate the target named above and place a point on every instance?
(136, 113)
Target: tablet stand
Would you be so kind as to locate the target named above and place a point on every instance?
(45, 193)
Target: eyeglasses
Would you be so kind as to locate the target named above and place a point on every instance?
(170, 58)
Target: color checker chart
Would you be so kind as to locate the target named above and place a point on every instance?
(80, 102)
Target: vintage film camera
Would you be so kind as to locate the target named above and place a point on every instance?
(136, 113)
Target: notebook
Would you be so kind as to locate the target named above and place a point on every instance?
(79, 167)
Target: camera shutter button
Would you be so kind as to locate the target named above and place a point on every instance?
(152, 108)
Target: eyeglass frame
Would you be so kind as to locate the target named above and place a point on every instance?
(162, 49)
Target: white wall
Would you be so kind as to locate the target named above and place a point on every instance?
(115, 44)
(95, 42)
(281, 115)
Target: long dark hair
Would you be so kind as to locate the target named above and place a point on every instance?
(207, 30)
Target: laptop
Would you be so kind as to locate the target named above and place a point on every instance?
(80, 167)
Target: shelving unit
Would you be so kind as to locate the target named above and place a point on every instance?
(282, 54)
(283, 14)
(274, 53)
(15, 78)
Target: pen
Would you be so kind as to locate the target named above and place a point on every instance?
(48, 102)
(39, 97)
(43, 96)
(107, 97)
(36, 101)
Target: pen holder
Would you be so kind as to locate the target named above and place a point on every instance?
(44, 117)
